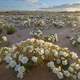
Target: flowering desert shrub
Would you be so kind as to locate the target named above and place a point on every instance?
(3, 41)
(49, 38)
(75, 41)
(37, 34)
(32, 52)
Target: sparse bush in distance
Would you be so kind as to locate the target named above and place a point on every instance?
(10, 29)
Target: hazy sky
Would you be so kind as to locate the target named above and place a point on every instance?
(32, 4)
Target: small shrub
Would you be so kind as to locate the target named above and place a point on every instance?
(49, 38)
(75, 41)
(10, 30)
(37, 34)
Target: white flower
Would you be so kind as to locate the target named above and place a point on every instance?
(6, 52)
(20, 57)
(8, 59)
(78, 75)
(41, 51)
(46, 52)
(60, 75)
(4, 38)
(71, 69)
(32, 40)
(58, 61)
(74, 55)
(20, 75)
(12, 64)
(51, 64)
(62, 53)
(23, 59)
(64, 62)
(74, 77)
(73, 42)
(30, 48)
(49, 44)
(56, 36)
(65, 54)
(73, 64)
(21, 69)
(66, 48)
(40, 42)
(57, 47)
(55, 53)
(67, 73)
(17, 67)
(77, 66)
(56, 70)
(34, 59)
(14, 47)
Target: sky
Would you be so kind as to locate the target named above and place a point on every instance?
(31, 4)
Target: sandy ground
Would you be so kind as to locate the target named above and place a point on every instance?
(38, 73)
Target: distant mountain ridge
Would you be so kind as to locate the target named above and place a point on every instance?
(64, 7)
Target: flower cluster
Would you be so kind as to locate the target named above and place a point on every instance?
(75, 41)
(70, 71)
(29, 53)
(3, 39)
(52, 38)
(17, 61)
(39, 35)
